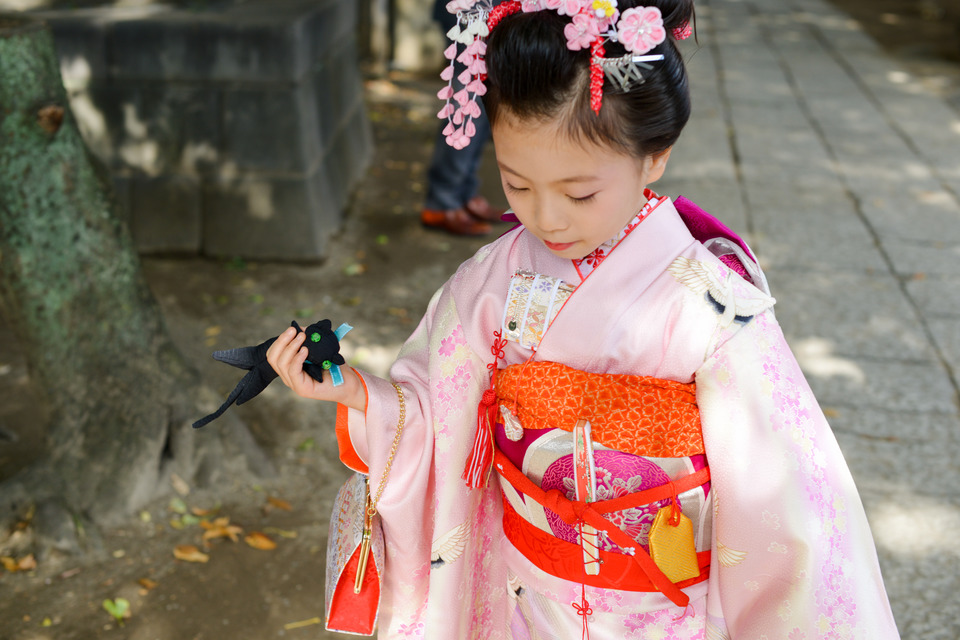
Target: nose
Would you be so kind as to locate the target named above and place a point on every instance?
(548, 216)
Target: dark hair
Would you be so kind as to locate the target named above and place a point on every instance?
(532, 75)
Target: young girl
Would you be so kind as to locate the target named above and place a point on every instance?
(605, 433)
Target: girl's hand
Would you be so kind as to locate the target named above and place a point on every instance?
(287, 355)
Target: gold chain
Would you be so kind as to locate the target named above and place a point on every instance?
(372, 509)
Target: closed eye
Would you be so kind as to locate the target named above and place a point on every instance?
(584, 199)
(513, 189)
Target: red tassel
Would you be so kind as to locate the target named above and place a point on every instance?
(477, 470)
(480, 461)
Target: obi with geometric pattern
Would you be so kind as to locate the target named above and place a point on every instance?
(642, 415)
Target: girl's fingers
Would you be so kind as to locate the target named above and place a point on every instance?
(282, 355)
(283, 339)
(287, 356)
(296, 365)
(275, 349)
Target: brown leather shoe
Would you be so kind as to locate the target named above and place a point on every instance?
(455, 221)
(479, 207)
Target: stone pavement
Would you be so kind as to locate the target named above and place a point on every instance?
(845, 175)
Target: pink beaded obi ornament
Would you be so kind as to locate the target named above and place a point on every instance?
(593, 24)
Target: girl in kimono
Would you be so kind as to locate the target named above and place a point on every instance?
(605, 434)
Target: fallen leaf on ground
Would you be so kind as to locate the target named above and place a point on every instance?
(301, 624)
(12, 565)
(179, 484)
(69, 573)
(147, 583)
(189, 553)
(221, 528)
(119, 609)
(202, 513)
(258, 540)
(177, 506)
(280, 503)
(355, 269)
(283, 533)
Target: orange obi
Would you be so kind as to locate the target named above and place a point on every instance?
(642, 415)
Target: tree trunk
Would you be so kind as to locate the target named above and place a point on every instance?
(121, 395)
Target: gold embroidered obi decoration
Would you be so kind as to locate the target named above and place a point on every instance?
(533, 301)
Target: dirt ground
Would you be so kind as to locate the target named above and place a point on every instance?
(380, 274)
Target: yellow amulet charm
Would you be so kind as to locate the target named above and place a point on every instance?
(672, 546)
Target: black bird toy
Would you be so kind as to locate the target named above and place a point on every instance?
(323, 349)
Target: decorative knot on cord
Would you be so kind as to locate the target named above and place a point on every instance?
(489, 398)
(569, 511)
(584, 611)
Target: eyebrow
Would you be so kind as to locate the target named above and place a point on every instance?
(568, 180)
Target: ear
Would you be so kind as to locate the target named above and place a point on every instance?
(657, 164)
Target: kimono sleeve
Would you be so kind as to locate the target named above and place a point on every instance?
(793, 553)
(441, 378)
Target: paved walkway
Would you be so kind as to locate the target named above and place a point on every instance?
(845, 174)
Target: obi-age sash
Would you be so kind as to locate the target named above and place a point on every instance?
(635, 414)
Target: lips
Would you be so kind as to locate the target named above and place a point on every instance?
(558, 246)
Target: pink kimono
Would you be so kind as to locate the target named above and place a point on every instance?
(792, 555)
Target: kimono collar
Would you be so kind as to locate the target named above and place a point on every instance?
(590, 262)
(595, 315)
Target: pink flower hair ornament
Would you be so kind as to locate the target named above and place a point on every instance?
(593, 24)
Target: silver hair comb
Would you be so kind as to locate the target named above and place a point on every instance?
(625, 71)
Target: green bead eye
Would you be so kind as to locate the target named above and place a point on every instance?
(327, 365)
(513, 325)
(315, 337)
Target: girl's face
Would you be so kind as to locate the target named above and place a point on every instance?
(572, 195)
